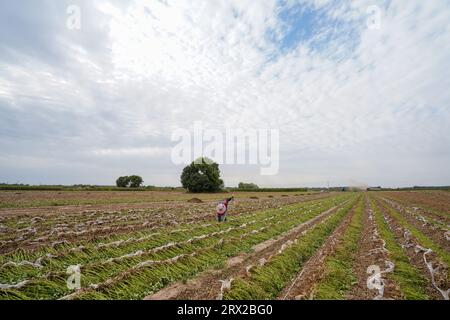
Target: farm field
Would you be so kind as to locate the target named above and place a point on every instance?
(168, 245)
(27, 199)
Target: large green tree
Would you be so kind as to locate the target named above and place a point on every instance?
(123, 182)
(136, 181)
(202, 175)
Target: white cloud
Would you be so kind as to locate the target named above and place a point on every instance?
(141, 152)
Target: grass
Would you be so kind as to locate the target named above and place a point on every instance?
(266, 282)
(138, 284)
(419, 235)
(339, 276)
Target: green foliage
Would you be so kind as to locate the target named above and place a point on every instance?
(201, 254)
(423, 239)
(266, 282)
(136, 181)
(411, 281)
(202, 175)
(247, 186)
(129, 182)
(339, 275)
(123, 182)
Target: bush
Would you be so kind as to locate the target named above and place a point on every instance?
(202, 175)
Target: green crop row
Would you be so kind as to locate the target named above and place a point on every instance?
(64, 255)
(339, 274)
(54, 287)
(137, 284)
(267, 281)
(419, 235)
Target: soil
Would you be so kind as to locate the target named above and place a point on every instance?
(195, 200)
(372, 252)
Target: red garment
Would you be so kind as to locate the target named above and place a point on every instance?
(225, 202)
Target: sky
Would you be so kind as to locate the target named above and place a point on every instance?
(359, 90)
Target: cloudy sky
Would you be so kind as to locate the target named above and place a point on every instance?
(358, 100)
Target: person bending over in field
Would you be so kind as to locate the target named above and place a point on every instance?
(222, 209)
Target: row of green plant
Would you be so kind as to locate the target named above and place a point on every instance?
(112, 219)
(300, 190)
(410, 280)
(423, 239)
(137, 282)
(139, 197)
(103, 272)
(430, 213)
(339, 276)
(187, 228)
(435, 223)
(267, 281)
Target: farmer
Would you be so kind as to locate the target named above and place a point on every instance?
(222, 209)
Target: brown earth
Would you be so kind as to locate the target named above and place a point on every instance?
(105, 220)
(437, 202)
(372, 251)
(195, 200)
(437, 235)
